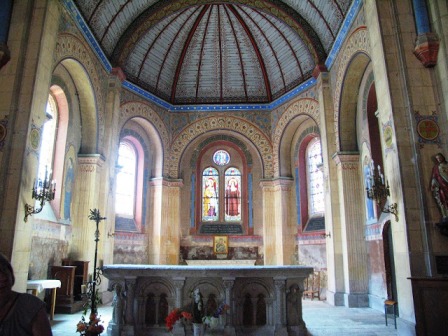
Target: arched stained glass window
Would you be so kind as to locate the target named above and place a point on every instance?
(126, 180)
(232, 195)
(210, 194)
(46, 152)
(315, 178)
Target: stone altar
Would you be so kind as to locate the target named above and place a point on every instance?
(263, 300)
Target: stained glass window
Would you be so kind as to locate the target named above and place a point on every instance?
(232, 195)
(221, 157)
(210, 194)
(315, 178)
(46, 152)
(126, 178)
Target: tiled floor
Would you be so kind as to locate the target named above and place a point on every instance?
(321, 320)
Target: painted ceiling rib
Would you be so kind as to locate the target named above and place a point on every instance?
(239, 52)
(168, 52)
(220, 56)
(270, 47)
(257, 52)
(286, 40)
(338, 7)
(184, 51)
(322, 17)
(113, 19)
(155, 40)
(94, 11)
(200, 56)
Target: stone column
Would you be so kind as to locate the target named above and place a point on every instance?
(129, 321)
(179, 282)
(26, 79)
(278, 229)
(111, 138)
(179, 285)
(229, 322)
(335, 281)
(280, 304)
(86, 197)
(165, 236)
(351, 194)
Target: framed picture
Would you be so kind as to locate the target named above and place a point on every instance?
(220, 244)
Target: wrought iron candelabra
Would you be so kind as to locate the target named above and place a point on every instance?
(378, 191)
(43, 191)
(97, 272)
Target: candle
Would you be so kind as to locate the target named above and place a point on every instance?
(83, 289)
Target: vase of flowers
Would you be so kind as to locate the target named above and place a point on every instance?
(92, 327)
(175, 315)
(212, 321)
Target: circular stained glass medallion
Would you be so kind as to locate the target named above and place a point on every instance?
(221, 157)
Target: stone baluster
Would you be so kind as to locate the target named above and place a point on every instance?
(228, 317)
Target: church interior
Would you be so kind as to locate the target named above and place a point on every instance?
(206, 133)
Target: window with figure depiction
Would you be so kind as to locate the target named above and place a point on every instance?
(232, 195)
(221, 191)
(210, 204)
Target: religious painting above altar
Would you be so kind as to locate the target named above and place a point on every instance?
(220, 244)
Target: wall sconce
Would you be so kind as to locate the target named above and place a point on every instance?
(378, 191)
(326, 235)
(42, 191)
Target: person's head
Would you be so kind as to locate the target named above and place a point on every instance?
(440, 158)
(6, 273)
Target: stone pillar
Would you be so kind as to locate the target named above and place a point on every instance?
(280, 303)
(335, 280)
(278, 230)
(179, 285)
(354, 247)
(427, 43)
(111, 138)
(165, 237)
(86, 195)
(26, 79)
(129, 321)
(229, 323)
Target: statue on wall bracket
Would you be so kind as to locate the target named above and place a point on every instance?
(439, 189)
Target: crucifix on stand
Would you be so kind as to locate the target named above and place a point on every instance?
(95, 216)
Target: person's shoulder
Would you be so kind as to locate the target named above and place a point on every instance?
(29, 299)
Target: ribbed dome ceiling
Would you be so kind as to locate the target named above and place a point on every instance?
(215, 52)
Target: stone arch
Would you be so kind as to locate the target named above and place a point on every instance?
(352, 64)
(285, 129)
(155, 129)
(230, 123)
(77, 59)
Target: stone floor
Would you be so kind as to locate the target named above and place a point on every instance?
(321, 320)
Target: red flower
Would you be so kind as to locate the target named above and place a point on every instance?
(174, 316)
(93, 325)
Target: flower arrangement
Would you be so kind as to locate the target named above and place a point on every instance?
(90, 327)
(212, 320)
(175, 315)
(221, 310)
